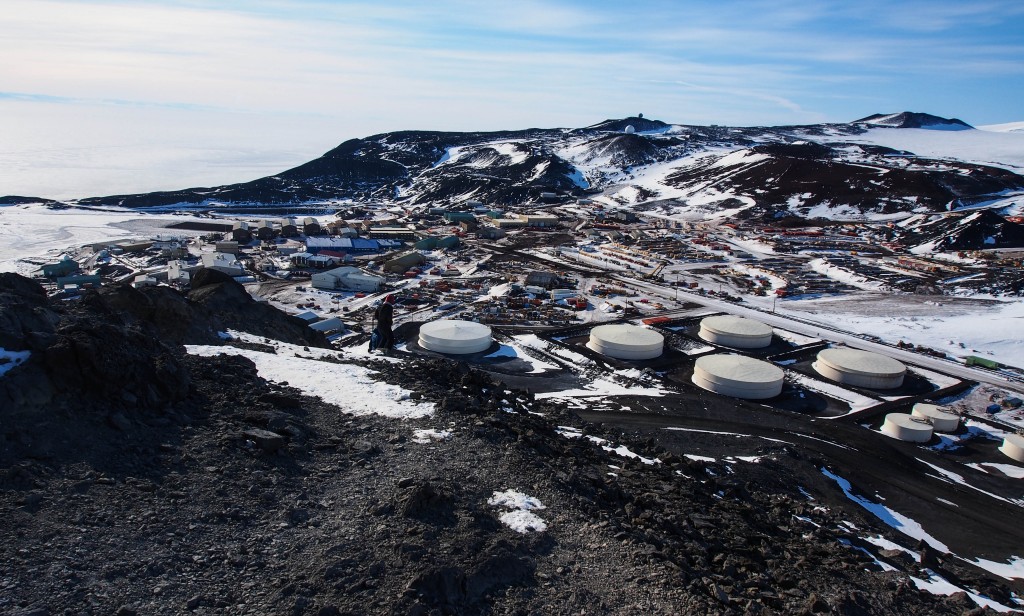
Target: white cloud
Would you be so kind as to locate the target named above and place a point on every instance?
(253, 77)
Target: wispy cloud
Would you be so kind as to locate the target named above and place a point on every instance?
(358, 66)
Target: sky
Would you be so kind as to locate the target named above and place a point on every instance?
(109, 97)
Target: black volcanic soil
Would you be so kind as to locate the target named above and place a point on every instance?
(141, 480)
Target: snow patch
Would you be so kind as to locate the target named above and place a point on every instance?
(577, 178)
(430, 435)
(622, 450)
(349, 386)
(856, 401)
(523, 521)
(520, 519)
(697, 458)
(1010, 470)
(739, 157)
(503, 351)
(900, 522)
(1010, 570)
(951, 477)
(10, 359)
(602, 388)
(938, 585)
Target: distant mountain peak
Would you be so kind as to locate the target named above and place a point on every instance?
(19, 200)
(639, 123)
(913, 119)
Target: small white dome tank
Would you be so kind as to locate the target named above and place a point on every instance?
(906, 427)
(626, 342)
(738, 376)
(941, 418)
(455, 337)
(860, 368)
(1013, 447)
(737, 332)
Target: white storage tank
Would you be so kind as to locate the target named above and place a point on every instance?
(941, 418)
(907, 428)
(1013, 447)
(860, 368)
(455, 337)
(737, 332)
(626, 342)
(738, 376)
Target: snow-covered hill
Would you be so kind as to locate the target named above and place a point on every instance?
(967, 231)
(884, 166)
(1009, 127)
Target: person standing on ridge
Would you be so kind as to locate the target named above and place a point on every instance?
(385, 315)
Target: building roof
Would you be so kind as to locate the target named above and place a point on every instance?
(347, 270)
(321, 259)
(345, 244)
(331, 324)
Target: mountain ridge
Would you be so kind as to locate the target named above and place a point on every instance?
(831, 169)
(911, 119)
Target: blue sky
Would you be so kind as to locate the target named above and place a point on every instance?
(103, 97)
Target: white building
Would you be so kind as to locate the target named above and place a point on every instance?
(143, 280)
(225, 263)
(316, 244)
(180, 272)
(348, 279)
(329, 325)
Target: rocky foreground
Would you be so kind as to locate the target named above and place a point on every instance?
(136, 479)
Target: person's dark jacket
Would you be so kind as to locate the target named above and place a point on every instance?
(385, 315)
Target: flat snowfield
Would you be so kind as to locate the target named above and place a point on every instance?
(42, 234)
(983, 325)
(986, 147)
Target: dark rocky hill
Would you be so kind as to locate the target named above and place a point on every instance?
(20, 200)
(910, 119)
(795, 179)
(631, 161)
(978, 230)
(136, 479)
(639, 124)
